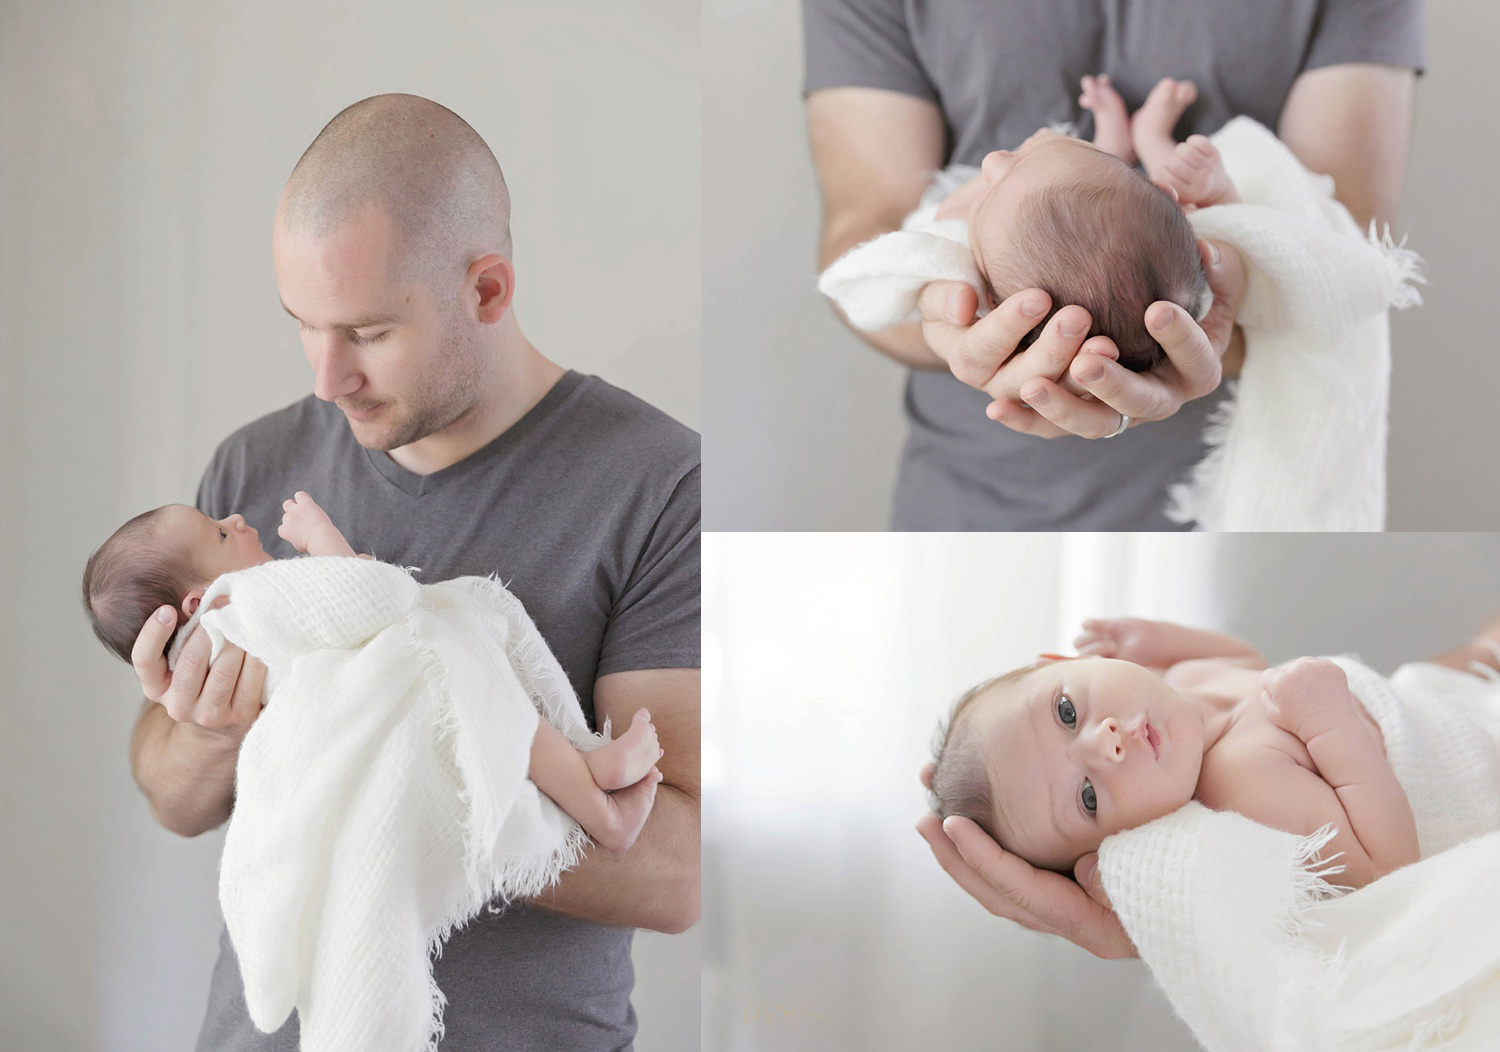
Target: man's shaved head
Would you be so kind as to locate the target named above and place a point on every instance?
(419, 163)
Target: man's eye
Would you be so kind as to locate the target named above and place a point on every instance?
(1065, 710)
(357, 338)
(1090, 800)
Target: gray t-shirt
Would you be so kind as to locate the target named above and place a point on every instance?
(588, 509)
(1001, 69)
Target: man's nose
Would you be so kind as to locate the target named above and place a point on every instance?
(333, 377)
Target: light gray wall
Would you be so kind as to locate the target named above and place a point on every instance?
(807, 420)
(142, 149)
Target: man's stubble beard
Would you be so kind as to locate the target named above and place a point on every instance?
(447, 400)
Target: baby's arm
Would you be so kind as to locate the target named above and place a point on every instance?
(1359, 793)
(308, 528)
(1161, 644)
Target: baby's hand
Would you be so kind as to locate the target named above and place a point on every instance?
(1305, 697)
(1126, 638)
(301, 519)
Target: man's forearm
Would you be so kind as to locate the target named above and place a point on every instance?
(186, 772)
(654, 885)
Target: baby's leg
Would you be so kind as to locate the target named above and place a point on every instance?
(1111, 122)
(1196, 171)
(615, 819)
(1483, 649)
(1151, 127)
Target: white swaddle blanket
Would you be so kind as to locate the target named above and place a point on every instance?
(1300, 445)
(381, 796)
(1236, 922)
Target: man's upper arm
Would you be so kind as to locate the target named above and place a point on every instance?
(1353, 122)
(874, 151)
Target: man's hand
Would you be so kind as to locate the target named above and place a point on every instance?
(224, 698)
(1012, 888)
(1067, 383)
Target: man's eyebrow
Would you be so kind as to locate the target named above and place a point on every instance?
(363, 323)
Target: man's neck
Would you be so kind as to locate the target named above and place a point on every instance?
(520, 380)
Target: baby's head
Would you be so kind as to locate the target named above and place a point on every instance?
(1052, 758)
(1062, 215)
(165, 557)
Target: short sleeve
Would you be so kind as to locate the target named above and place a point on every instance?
(861, 44)
(655, 623)
(1388, 32)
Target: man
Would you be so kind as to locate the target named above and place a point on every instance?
(898, 89)
(437, 436)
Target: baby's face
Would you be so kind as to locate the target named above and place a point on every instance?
(214, 546)
(1083, 748)
(1043, 159)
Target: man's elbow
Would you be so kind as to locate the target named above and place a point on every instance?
(683, 911)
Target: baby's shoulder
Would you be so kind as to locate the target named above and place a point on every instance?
(1252, 754)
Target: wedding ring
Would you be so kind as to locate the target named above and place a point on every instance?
(1124, 423)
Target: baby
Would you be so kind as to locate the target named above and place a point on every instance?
(1052, 758)
(1078, 221)
(169, 557)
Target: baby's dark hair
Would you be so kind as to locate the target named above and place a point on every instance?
(1114, 244)
(129, 578)
(961, 762)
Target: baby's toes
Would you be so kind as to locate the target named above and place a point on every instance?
(1184, 93)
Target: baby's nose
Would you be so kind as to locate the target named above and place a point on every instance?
(1107, 741)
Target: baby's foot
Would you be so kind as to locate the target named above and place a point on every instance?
(1196, 171)
(1151, 127)
(1111, 121)
(627, 759)
(626, 813)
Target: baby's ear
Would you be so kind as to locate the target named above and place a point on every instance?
(191, 600)
(993, 165)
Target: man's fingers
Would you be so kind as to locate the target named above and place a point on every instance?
(188, 677)
(966, 877)
(1227, 281)
(1196, 360)
(146, 655)
(1049, 356)
(947, 309)
(1068, 412)
(218, 689)
(1140, 396)
(1019, 417)
(1056, 903)
(249, 690)
(1086, 870)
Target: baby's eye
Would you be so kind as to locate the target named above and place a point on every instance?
(1065, 710)
(1090, 800)
(223, 535)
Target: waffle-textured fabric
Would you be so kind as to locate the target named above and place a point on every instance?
(1240, 927)
(1300, 445)
(381, 796)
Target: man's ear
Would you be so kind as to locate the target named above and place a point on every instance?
(493, 278)
(191, 600)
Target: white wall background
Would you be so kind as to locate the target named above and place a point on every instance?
(807, 420)
(142, 150)
(829, 660)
